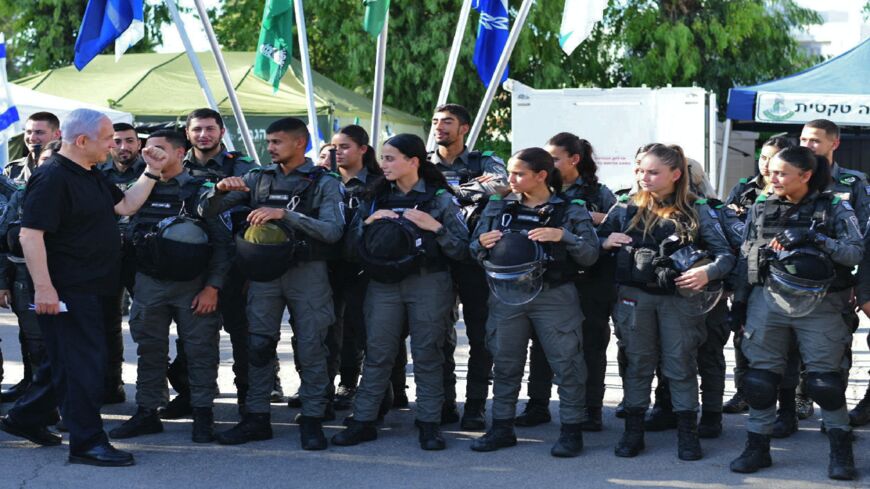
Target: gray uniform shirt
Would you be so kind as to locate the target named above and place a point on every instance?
(452, 239)
(578, 236)
(846, 249)
(327, 222)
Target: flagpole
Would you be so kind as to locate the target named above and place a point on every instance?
(451, 64)
(197, 67)
(494, 83)
(228, 83)
(378, 96)
(306, 75)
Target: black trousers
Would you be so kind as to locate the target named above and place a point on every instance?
(113, 307)
(76, 346)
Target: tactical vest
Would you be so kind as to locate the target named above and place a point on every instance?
(214, 175)
(639, 264)
(433, 258)
(747, 194)
(300, 199)
(772, 220)
(160, 206)
(515, 216)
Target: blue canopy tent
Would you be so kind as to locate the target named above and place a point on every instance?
(838, 90)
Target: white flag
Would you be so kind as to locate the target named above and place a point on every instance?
(578, 20)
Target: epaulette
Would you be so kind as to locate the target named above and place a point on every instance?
(21, 187)
(334, 174)
(578, 201)
(208, 184)
(744, 180)
(836, 200)
(488, 153)
(849, 178)
(440, 191)
(623, 198)
(256, 169)
(700, 201)
(761, 198)
(495, 197)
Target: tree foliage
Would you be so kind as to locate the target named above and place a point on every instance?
(41, 34)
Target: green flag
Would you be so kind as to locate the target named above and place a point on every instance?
(376, 13)
(275, 46)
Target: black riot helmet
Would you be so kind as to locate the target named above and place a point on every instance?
(391, 249)
(265, 251)
(515, 268)
(798, 280)
(183, 248)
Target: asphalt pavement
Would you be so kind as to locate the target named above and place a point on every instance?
(171, 460)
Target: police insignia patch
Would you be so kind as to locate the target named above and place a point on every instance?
(847, 205)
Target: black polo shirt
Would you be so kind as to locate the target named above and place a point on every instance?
(75, 209)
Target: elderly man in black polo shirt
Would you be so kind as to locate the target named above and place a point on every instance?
(72, 247)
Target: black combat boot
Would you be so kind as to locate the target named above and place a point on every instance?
(631, 442)
(277, 394)
(400, 397)
(755, 456)
(620, 410)
(242, 398)
(536, 412)
(311, 433)
(860, 415)
(661, 417)
(294, 401)
(786, 422)
(114, 392)
(736, 404)
(570, 442)
(710, 425)
(500, 435)
(841, 465)
(473, 416)
(804, 405)
(252, 427)
(593, 419)
(179, 407)
(356, 432)
(430, 436)
(689, 446)
(144, 422)
(203, 425)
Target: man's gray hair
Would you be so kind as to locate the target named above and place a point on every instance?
(81, 122)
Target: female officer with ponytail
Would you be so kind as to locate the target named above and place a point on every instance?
(407, 226)
(573, 158)
(668, 249)
(532, 244)
(794, 280)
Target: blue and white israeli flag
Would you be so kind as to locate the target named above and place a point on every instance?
(493, 30)
(8, 112)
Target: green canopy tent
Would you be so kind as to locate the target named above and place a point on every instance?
(158, 87)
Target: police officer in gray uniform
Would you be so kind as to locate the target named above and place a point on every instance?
(537, 217)
(800, 245)
(823, 138)
(178, 280)
(474, 176)
(208, 159)
(308, 200)
(668, 250)
(407, 227)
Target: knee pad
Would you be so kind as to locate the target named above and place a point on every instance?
(760, 387)
(827, 389)
(261, 350)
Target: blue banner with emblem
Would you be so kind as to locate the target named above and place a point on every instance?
(493, 29)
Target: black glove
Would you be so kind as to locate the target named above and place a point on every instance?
(792, 238)
(665, 278)
(737, 316)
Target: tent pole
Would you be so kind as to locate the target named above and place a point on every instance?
(378, 96)
(451, 64)
(499, 71)
(197, 67)
(723, 165)
(228, 83)
(306, 75)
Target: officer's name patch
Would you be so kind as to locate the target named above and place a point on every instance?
(283, 197)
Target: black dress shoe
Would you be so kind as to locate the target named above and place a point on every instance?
(37, 434)
(102, 455)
